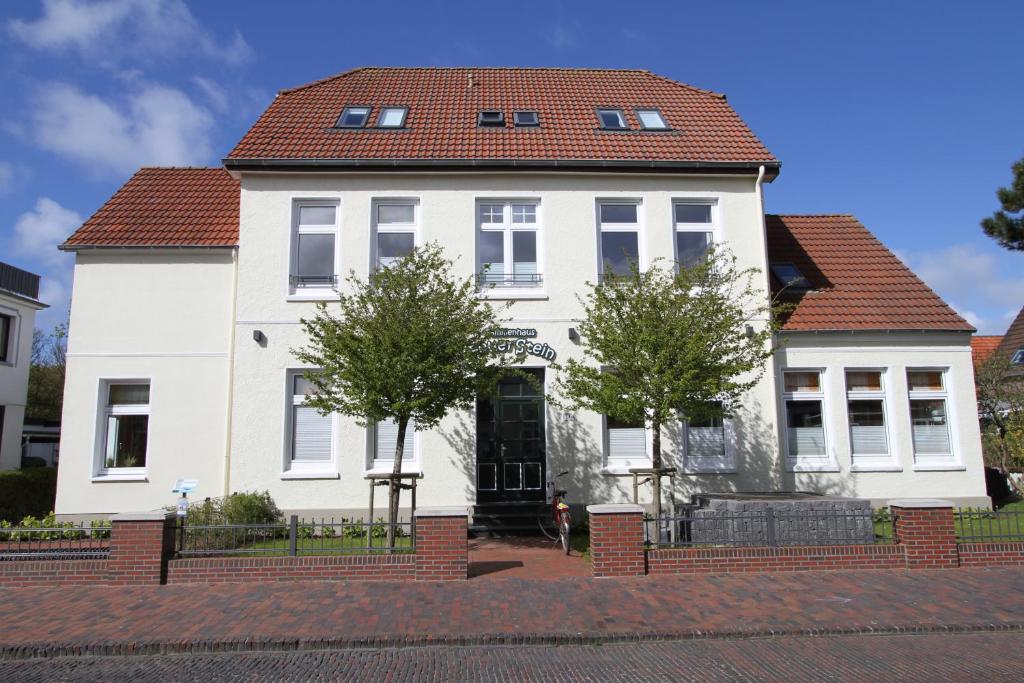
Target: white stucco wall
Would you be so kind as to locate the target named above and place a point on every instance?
(14, 377)
(163, 316)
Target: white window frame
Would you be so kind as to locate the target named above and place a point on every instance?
(312, 292)
(643, 126)
(619, 465)
(376, 228)
(868, 462)
(100, 471)
(508, 227)
(375, 465)
(713, 227)
(820, 463)
(935, 461)
(308, 469)
(10, 354)
(637, 227)
(720, 464)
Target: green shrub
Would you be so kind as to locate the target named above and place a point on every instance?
(27, 492)
(250, 507)
(55, 529)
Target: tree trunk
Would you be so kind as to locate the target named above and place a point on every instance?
(394, 484)
(656, 483)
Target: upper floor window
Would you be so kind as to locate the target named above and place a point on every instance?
(392, 117)
(315, 235)
(395, 229)
(525, 119)
(126, 427)
(651, 119)
(6, 338)
(804, 401)
(619, 244)
(311, 435)
(789, 276)
(865, 407)
(694, 231)
(928, 414)
(507, 244)
(353, 117)
(612, 119)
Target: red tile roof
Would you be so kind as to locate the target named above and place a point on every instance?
(856, 282)
(1013, 340)
(982, 346)
(444, 103)
(166, 207)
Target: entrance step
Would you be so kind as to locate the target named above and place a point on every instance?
(498, 520)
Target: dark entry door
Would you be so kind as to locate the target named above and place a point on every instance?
(510, 443)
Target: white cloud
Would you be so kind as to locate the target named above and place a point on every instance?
(213, 92)
(38, 232)
(563, 36)
(155, 125)
(107, 31)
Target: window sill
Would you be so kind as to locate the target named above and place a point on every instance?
(513, 294)
(940, 467)
(709, 470)
(621, 471)
(875, 468)
(312, 474)
(388, 470)
(113, 477)
(321, 296)
(811, 467)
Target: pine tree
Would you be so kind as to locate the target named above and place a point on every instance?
(1002, 226)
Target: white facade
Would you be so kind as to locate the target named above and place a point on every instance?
(221, 397)
(17, 323)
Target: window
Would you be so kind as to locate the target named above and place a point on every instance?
(310, 434)
(705, 445)
(126, 427)
(612, 119)
(395, 230)
(928, 416)
(805, 427)
(620, 237)
(6, 338)
(313, 251)
(385, 438)
(392, 117)
(1018, 357)
(353, 117)
(694, 232)
(625, 445)
(865, 408)
(491, 118)
(789, 276)
(507, 249)
(525, 119)
(651, 119)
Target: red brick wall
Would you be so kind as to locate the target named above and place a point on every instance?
(617, 544)
(139, 550)
(804, 558)
(19, 573)
(927, 536)
(442, 548)
(309, 568)
(991, 554)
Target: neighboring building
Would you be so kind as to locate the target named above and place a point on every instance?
(19, 301)
(1012, 343)
(983, 346)
(190, 283)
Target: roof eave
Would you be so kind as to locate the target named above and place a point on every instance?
(90, 247)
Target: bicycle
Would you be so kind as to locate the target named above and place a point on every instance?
(560, 516)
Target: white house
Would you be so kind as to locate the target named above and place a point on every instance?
(19, 301)
(190, 284)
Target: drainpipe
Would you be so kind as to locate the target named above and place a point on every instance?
(231, 372)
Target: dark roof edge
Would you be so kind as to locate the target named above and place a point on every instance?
(87, 247)
(772, 168)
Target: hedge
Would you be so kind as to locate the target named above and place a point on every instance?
(27, 492)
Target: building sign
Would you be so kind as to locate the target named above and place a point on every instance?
(517, 340)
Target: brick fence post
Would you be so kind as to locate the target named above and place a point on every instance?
(617, 540)
(926, 531)
(141, 543)
(442, 543)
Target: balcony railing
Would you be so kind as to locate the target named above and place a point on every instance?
(19, 281)
(485, 280)
(313, 280)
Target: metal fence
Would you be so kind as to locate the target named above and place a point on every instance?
(768, 527)
(64, 542)
(989, 525)
(295, 537)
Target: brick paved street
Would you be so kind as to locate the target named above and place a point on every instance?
(314, 615)
(528, 557)
(933, 657)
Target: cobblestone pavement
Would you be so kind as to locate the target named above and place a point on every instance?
(529, 557)
(325, 615)
(932, 657)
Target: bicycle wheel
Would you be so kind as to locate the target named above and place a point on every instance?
(541, 518)
(563, 531)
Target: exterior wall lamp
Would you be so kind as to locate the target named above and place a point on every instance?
(574, 336)
(259, 337)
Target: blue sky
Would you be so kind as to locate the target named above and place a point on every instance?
(907, 114)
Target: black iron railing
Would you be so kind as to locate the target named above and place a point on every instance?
(313, 280)
(974, 526)
(64, 542)
(509, 279)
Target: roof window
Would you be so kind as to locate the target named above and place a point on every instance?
(526, 119)
(353, 117)
(1018, 358)
(612, 119)
(392, 117)
(790, 276)
(651, 119)
(491, 118)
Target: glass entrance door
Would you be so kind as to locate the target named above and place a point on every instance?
(510, 443)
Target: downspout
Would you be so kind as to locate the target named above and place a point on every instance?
(231, 372)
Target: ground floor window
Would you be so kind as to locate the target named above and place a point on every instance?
(126, 427)
(311, 435)
(804, 402)
(929, 417)
(384, 435)
(625, 444)
(705, 445)
(866, 413)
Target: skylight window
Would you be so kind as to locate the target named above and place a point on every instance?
(491, 118)
(526, 119)
(651, 119)
(790, 276)
(1018, 358)
(392, 117)
(612, 119)
(354, 117)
